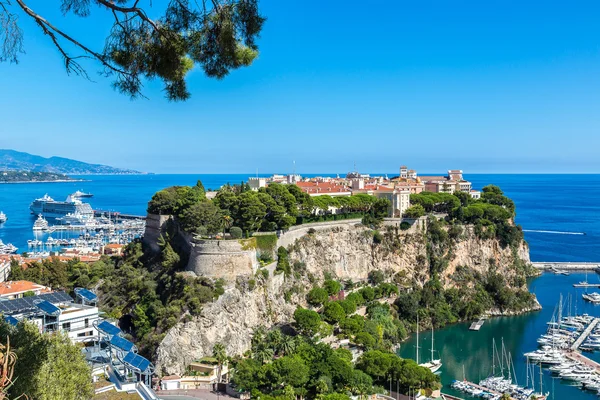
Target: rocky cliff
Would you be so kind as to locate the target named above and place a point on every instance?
(351, 253)
(230, 320)
(346, 251)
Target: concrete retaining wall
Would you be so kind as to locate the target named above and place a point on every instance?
(225, 259)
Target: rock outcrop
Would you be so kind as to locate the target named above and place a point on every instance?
(230, 320)
(344, 250)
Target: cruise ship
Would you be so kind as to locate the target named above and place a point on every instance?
(50, 208)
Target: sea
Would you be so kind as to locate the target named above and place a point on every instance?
(560, 215)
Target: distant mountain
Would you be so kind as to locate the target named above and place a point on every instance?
(19, 161)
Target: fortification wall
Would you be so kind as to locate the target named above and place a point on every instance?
(155, 226)
(225, 259)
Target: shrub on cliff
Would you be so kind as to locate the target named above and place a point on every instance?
(317, 296)
(307, 321)
(235, 232)
(333, 312)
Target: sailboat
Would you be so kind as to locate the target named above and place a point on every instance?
(583, 283)
(433, 365)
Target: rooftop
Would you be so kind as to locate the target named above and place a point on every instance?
(14, 287)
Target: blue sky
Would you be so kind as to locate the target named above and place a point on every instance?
(494, 86)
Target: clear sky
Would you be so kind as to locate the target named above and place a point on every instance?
(484, 86)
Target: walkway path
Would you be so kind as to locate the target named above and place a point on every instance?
(585, 334)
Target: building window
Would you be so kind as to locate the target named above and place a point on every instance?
(86, 322)
(66, 326)
(84, 334)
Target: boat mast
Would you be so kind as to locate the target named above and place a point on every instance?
(527, 372)
(493, 357)
(417, 339)
(541, 382)
(502, 359)
(432, 342)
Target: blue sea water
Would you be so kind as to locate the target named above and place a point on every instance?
(559, 203)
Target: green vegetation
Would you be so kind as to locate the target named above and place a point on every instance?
(31, 176)
(144, 41)
(276, 207)
(283, 367)
(151, 294)
(48, 367)
(491, 215)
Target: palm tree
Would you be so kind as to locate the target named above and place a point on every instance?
(263, 354)
(287, 345)
(226, 221)
(274, 339)
(220, 355)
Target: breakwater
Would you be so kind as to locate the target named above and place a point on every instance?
(566, 266)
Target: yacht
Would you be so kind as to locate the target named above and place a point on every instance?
(74, 219)
(7, 248)
(592, 297)
(40, 224)
(3, 217)
(81, 194)
(50, 208)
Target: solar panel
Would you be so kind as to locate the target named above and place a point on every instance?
(47, 307)
(120, 343)
(11, 320)
(108, 328)
(25, 304)
(136, 361)
(86, 294)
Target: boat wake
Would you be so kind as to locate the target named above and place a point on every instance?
(555, 232)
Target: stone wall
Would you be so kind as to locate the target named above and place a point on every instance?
(225, 259)
(155, 226)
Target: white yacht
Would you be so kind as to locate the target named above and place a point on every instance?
(7, 248)
(592, 297)
(40, 224)
(3, 217)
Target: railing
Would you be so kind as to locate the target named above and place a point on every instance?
(145, 392)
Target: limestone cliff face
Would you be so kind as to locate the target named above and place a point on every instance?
(351, 253)
(230, 320)
(345, 250)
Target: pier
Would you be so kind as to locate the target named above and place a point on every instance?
(566, 266)
(578, 357)
(584, 335)
(482, 388)
(475, 326)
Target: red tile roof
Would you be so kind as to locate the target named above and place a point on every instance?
(14, 287)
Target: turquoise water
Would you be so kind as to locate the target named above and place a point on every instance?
(561, 203)
(459, 347)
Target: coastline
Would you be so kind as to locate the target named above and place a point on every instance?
(57, 181)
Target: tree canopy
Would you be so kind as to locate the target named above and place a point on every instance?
(48, 366)
(147, 41)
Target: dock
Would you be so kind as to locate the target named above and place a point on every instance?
(118, 215)
(486, 389)
(584, 335)
(578, 357)
(475, 326)
(559, 267)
